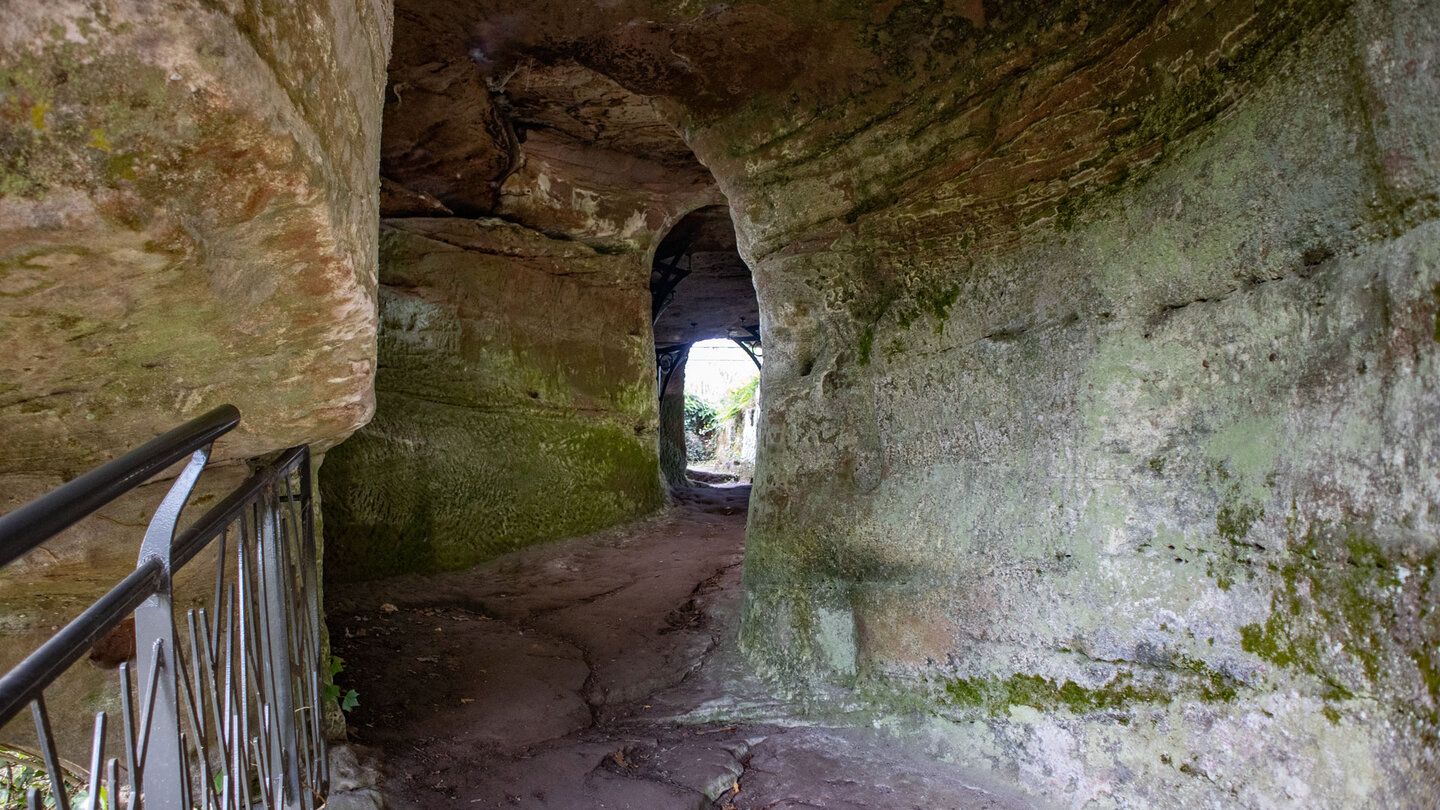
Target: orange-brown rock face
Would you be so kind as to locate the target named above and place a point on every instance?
(187, 218)
(187, 208)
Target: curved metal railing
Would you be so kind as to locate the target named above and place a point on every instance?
(227, 714)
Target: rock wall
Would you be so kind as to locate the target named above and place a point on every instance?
(188, 194)
(187, 207)
(673, 454)
(1101, 396)
(516, 393)
(1101, 370)
(516, 400)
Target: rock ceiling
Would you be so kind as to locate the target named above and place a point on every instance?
(547, 142)
(717, 298)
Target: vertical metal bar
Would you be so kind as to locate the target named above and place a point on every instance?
(241, 667)
(160, 719)
(241, 767)
(219, 588)
(256, 658)
(304, 654)
(47, 748)
(242, 582)
(97, 756)
(229, 661)
(162, 781)
(112, 785)
(262, 770)
(309, 566)
(272, 566)
(257, 663)
(147, 709)
(195, 686)
(32, 799)
(185, 791)
(234, 769)
(192, 710)
(207, 790)
(127, 716)
(219, 708)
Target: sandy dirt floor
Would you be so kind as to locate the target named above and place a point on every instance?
(600, 672)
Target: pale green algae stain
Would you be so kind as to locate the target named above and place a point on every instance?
(78, 129)
(429, 354)
(1245, 444)
(835, 638)
(1248, 449)
(1230, 448)
(867, 342)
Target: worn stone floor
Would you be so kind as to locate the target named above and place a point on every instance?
(600, 672)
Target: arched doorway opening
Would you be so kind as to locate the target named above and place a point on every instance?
(702, 301)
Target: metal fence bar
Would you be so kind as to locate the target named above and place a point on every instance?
(233, 702)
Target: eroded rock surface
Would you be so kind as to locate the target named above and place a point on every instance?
(517, 393)
(187, 209)
(1110, 441)
(1101, 340)
(600, 672)
(516, 400)
(187, 206)
(1100, 371)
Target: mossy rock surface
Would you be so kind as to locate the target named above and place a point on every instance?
(516, 401)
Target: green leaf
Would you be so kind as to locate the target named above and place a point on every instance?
(350, 701)
(738, 399)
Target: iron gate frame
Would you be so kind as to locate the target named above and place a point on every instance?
(251, 692)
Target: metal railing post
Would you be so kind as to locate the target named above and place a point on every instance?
(162, 774)
(273, 569)
(226, 715)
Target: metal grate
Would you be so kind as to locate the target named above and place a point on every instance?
(223, 708)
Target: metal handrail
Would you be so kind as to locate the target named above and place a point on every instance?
(43, 518)
(246, 708)
(20, 686)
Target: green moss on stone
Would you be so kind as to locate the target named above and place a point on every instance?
(429, 486)
(941, 302)
(1333, 613)
(996, 695)
(1235, 517)
(1065, 213)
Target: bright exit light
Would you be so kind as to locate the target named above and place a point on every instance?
(715, 368)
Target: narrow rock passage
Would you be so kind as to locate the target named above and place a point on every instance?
(600, 672)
